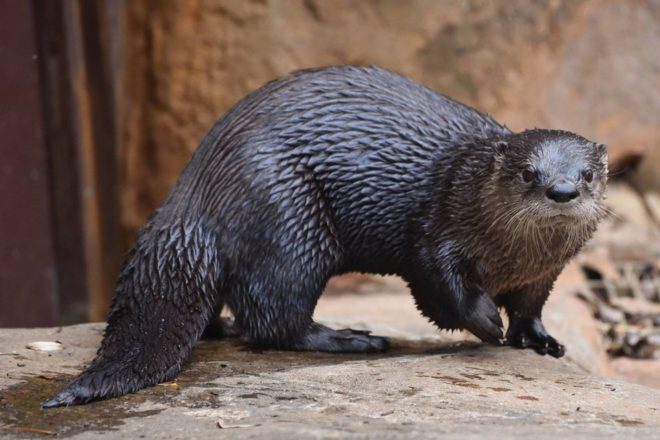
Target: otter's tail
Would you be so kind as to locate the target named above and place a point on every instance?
(166, 294)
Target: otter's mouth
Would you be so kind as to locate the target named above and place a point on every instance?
(563, 219)
(564, 215)
(567, 216)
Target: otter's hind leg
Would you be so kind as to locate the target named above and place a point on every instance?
(165, 296)
(289, 251)
(277, 313)
(275, 300)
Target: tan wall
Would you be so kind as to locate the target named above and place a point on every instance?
(589, 66)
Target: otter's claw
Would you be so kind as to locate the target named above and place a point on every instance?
(484, 321)
(530, 333)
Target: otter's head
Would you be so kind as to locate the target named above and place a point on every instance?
(556, 176)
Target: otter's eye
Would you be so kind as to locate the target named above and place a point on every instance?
(588, 175)
(528, 175)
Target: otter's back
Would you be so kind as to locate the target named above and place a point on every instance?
(352, 143)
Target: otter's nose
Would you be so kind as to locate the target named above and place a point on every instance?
(562, 192)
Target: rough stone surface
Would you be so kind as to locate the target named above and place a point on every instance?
(590, 66)
(428, 385)
(641, 371)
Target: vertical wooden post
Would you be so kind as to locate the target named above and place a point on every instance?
(65, 192)
(60, 242)
(28, 294)
(93, 117)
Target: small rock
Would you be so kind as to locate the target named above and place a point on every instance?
(631, 339)
(50, 376)
(635, 306)
(646, 347)
(44, 346)
(226, 425)
(609, 314)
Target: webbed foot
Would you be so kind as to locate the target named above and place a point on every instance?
(530, 333)
(322, 338)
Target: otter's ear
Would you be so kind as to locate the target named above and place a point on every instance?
(601, 149)
(500, 147)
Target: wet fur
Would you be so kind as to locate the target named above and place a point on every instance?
(316, 174)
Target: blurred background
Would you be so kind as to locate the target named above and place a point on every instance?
(102, 103)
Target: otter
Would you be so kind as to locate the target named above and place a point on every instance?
(340, 169)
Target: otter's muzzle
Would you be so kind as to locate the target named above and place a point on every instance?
(562, 191)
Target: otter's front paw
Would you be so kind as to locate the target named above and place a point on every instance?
(530, 333)
(483, 320)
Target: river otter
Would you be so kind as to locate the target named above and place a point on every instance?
(343, 169)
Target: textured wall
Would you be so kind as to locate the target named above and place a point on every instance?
(590, 66)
